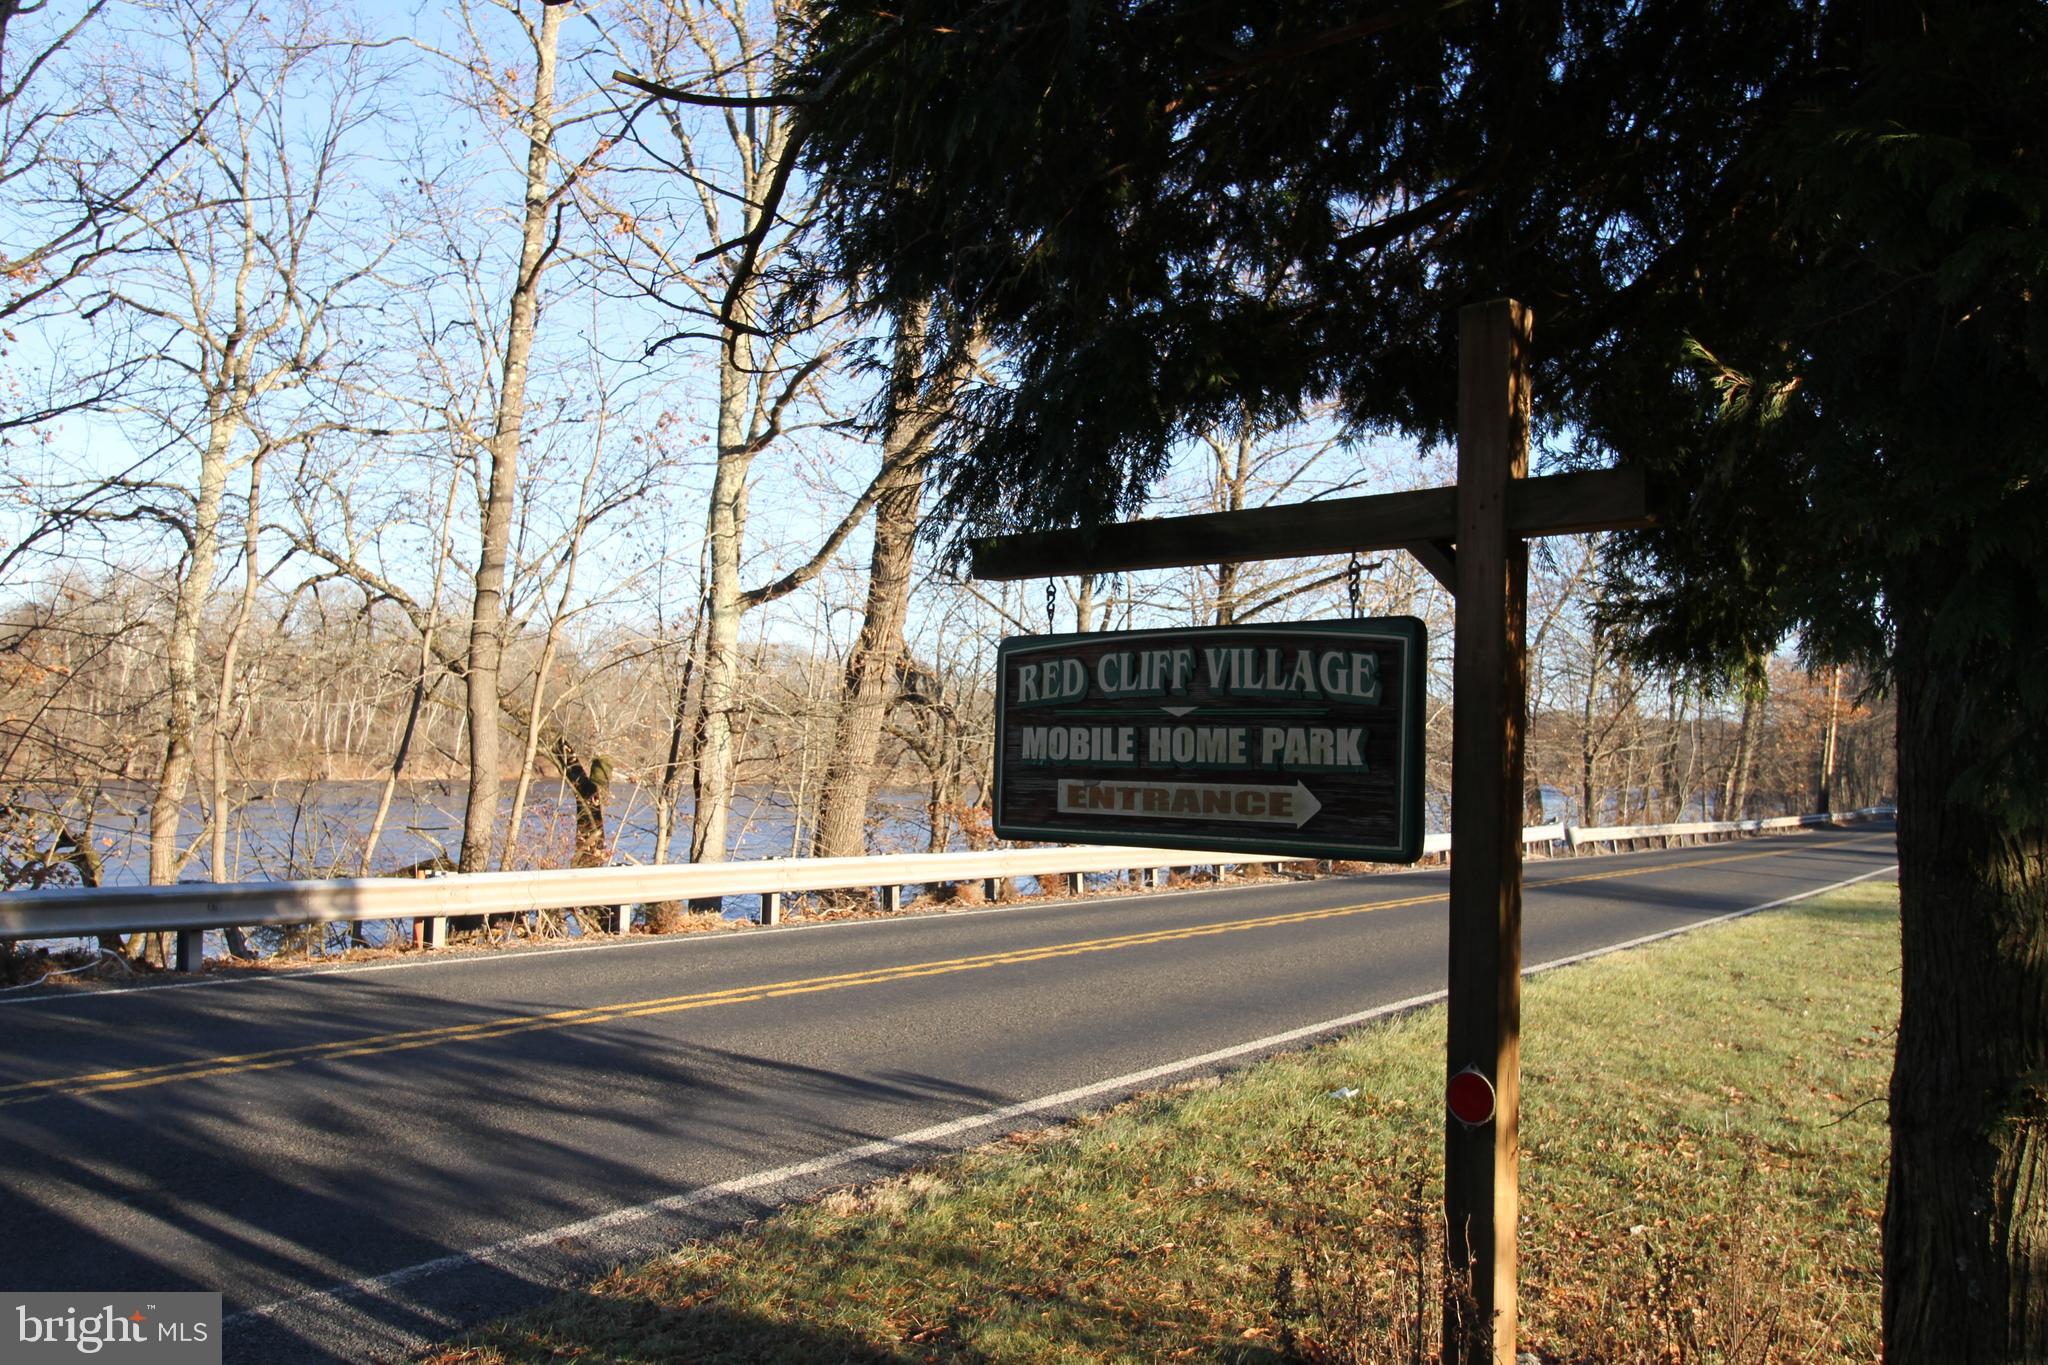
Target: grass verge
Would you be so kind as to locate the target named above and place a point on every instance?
(1704, 1145)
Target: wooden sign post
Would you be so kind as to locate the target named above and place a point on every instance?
(1472, 538)
(1489, 705)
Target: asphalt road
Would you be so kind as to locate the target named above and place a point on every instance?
(366, 1159)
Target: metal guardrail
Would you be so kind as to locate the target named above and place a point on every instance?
(1620, 834)
(190, 909)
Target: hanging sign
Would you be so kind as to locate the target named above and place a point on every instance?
(1298, 738)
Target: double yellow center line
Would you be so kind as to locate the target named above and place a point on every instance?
(379, 1044)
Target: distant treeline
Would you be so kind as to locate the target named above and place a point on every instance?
(326, 691)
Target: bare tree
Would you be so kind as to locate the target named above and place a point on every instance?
(69, 198)
(1249, 466)
(918, 401)
(758, 384)
(533, 109)
(735, 165)
(582, 464)
(241, 270)
(422, 683)
(586, 772)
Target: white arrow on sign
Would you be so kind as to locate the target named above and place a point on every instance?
(1232, 801)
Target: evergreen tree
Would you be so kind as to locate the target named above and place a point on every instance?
(1785, 254)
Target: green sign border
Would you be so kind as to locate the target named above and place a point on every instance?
(1406, 631)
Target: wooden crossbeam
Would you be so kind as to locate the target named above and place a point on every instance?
(1554, 505)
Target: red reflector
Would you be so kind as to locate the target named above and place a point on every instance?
(1471, 1097)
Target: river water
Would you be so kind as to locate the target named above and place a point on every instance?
(293, 830)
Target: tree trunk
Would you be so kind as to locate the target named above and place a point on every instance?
(1232, 480)
(1629, 797)
(589, 780)
(1589, 810)
(1966, 1214)
(1826, 804)
(1589, 755)
(670, 788)
(1084, 605)
(944, 795)
(181, 648)
(871, 670)
(487, 619)
(224, 697)
(871, 681)
(1745, 754)
(718, 675)
(252, 526)
(1670, 785)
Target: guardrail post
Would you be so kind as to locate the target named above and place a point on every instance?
(622, 920)
(191, 951)
(771, 908)
(430, 931)
(992, 889)
(890, 898)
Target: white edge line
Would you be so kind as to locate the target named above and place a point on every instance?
(846, 1156)
(1703, 923)
(379, 1285)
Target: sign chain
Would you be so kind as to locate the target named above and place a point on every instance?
(1351, 584)
(1052, 620)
